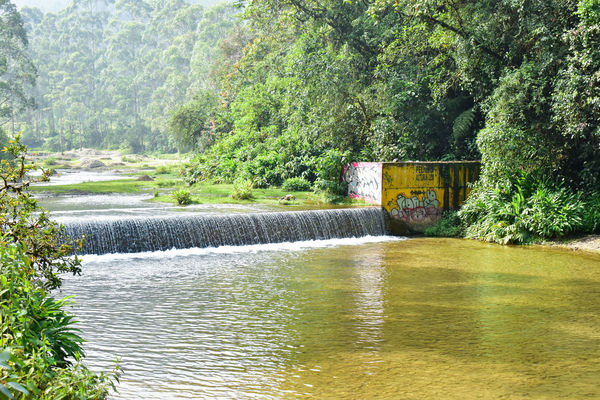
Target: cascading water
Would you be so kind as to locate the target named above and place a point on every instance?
(132, 235)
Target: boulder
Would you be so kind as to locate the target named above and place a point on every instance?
(92, 164)
(288, 197)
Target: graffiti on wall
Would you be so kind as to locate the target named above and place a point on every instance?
(421, 206)
(364, 181)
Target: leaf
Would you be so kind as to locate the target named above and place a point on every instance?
(5, 393)
(463, 124)
(18, 387)
(5, 355)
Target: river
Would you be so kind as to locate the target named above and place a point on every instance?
(346, 319)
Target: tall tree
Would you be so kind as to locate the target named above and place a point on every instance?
(17, 73)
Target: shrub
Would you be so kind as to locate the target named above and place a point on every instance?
(296, 185)
(162, 170)
(50, 161)
(167, 183)
(183, 196)
(449, 226)
(527, 209)
(592, 213)
(242, 190)
(39, 340)
(24, 222)
(329, 172)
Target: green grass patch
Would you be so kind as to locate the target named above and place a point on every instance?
(116, 186)
(162, 187)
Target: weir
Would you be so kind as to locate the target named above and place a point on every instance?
(138, 234)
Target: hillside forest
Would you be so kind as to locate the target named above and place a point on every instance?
(264, 91)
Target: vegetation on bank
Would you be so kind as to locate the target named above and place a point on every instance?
(175, 190)
(294, 89)
(322, 83)
(41, 350)
(526, 209)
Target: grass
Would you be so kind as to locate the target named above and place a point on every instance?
(116, 186)
(163, 185)
(221, 194)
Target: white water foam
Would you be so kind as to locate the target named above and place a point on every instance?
(255, 248)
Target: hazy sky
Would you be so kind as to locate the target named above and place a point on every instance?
(57, 5)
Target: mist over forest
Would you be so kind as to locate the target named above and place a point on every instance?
(57, 5)
(110, 74)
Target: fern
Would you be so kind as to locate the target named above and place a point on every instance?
(463, 124)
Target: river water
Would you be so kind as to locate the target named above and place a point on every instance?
(378, 318)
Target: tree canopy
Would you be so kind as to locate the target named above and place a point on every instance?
(294, 86)
(111, 72)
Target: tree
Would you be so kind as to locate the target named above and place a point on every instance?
(17, 73)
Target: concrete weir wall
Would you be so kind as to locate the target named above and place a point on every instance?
(414, 193)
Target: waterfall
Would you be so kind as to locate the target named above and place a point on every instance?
(137, 234)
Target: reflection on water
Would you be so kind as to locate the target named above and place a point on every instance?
(416, 319)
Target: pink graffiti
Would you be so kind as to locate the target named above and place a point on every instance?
(412, 209)
(417, 214)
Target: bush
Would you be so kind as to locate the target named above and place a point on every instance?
(39, 340)
(167, 183)
(50, 161)
(592, 213)
(242, 190)
(526, 210)
(183, 197)
(162, 170)
(22, 221)
(329, 172)
(449, 226)
(296, 185)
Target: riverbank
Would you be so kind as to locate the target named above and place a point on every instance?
(87, 171)
(588, 243)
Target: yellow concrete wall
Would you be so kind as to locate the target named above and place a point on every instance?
(417, 193)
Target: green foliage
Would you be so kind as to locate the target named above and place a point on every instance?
(50, 161)
(449, 226)
(112, 75)
(592, 213)
(17, 73)
(297, 184)
(193, 124)
(314, 86)
(527, 209)
(25, 223)
(329, 172)
(182, 196)
(242, 190)
(4, 141)
(162, 170)
(39, 340)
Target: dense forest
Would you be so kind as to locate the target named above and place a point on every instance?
(109, 73)
(319, 83)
